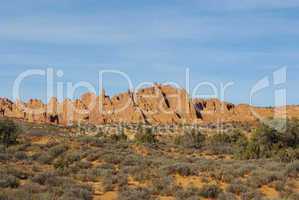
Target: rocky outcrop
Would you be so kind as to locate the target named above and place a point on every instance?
(159, 104)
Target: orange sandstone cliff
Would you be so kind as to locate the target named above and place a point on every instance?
(159, 104)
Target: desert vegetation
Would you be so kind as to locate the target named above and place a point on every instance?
(45, 162)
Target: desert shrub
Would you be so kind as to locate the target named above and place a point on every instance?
(21, 174)
(251, 195)
(86, 175)
(122, 180)
(190, 193)
(292, 169)
(226, 196)
(112, 158)
(291, 136)
(62, 163)
(8, 181)
(147, 136)
(190, 139)
(93, 156)
(83, 164)
(92, 140)
(43, 178)
(210, 191)
(181, 169)
(288, 155)
(4, 157)
(19, 194)
(57, 150)
(262, 177)
(77, 193)
(224, 143)
(108, 184)
(279, 185)
(245, 168)
(119, 136)
(8, 132)
(73, 156)
(164, 186)
(267, 142)
(226, 138)
(105, 170)
(133, 160)
(293, 196)
(67, 160)
(3, 195)
(20, 155)
(44, 158)
(134, 193)
(236, 188)
(33, 188)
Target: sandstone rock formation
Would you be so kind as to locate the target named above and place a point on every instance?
(159, 104)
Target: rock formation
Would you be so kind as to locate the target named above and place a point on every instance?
(159, 104)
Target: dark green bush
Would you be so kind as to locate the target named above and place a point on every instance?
(164, 186)
(147, 136)
(210, 191)
(288, 155)
(43, 158)
(20, 155)
(269, 142)
(134, 193)
(8, 132)
(9, 181)
(119, 136)
(57, 150)
(292, 169)
(181, 169)
(236, 188)
(189, 193)
(191, 139)
(42, 178)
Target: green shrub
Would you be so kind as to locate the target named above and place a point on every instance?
(292, 169)
(181, 169)
(146, 137)
(164, 186)
(288, 155)
(210, 191)
(269, 142)
(57, 150)
(189, 193)
(119, 136)
(20, 155)
(236, 188)
(44, 158)
(42, 178)
(8, 132)
(4, 157)
(226, 196)
(227, 140)
(9, 181)
(77, 193)
(134, 193)
(190, 139)
(252, 194)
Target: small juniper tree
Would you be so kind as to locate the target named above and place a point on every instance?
(8, 132)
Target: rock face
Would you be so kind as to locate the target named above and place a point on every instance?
(159, 104)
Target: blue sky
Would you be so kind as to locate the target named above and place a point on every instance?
(151, 40)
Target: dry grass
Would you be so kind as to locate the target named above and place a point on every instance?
(101, 168)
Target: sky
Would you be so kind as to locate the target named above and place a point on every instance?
(220, 42)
